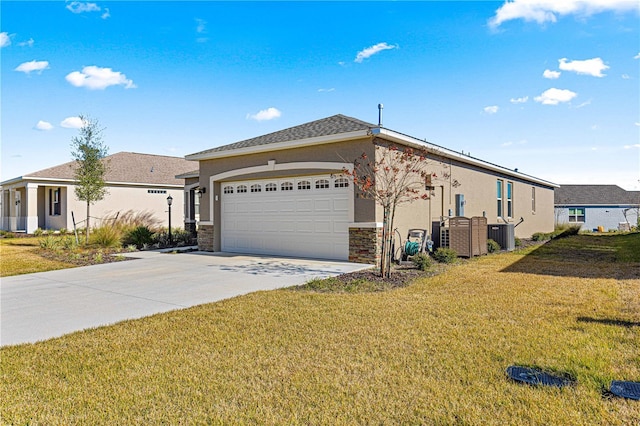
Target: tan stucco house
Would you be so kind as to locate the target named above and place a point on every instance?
(285, 193)
(139, 182)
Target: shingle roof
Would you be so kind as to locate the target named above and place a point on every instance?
(333, 125)
(595, 195)
(129, 167)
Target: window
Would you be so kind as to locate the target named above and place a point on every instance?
(256, 188)
(228, 190)
(509, 199)
(286, 186)
(533, 199)
(576, 215)
(304, 184)
(342, 183)
(499, 196)
(322, 184)
(270, 187)
(54, 202)
(241, 189)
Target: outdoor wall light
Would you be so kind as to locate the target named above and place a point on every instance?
(201, 191)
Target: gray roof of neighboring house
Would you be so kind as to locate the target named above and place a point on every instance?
(128, 167)
(585, 195)
(333, 125)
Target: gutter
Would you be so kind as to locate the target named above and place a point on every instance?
(417, 143)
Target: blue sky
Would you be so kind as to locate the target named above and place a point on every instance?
(549, 87)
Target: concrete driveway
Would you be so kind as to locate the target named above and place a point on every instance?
(50, 304)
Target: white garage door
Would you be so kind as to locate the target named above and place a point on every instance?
(304, 216)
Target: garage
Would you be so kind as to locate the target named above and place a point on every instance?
(302, 216)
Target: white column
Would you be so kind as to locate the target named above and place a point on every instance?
(31, 207)
(13, 221)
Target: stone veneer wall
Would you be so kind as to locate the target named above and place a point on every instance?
(205, 238)
(365, 245)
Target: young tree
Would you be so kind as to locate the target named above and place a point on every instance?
(397, 175)
(89, 152)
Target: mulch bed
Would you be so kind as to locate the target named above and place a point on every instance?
(84, 258)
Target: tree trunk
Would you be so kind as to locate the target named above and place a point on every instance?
(385, 258)
(87, 230)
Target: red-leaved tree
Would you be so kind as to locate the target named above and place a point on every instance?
(397, 175)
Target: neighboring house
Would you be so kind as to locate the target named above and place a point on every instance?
(606, 207)
(284, 193)
(139, 182)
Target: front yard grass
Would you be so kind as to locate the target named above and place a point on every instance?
(434, 352)
(22, 256)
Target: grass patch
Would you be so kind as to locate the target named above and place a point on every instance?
(434, 352)
(22, 256)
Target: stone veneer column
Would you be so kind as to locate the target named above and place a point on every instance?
(205, 237)
(365, 244)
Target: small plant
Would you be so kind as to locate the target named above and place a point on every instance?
(492, 246)
(64, 231)
(518, 242)
(98, 257)
(422, 261)
(6, 234)
(445, 255)
(138, 237)
(541, 236)
(38, 232)
(106, 236)
(132, 248)
(68, 242)
(49, 243)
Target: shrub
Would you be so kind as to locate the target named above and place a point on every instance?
(518, 242)
(64, 231)
(7, 234)
(49, 243)
(541, 236)
(422, 261)
(68, 242)
(445, 255)
(106, 236)
(179, 237)
(138, 237)
(38, 232)
(492, 246)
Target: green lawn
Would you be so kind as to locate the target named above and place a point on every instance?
(434, 352)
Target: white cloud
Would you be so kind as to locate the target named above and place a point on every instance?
(28, 67)
(551, 75)
(635, 57)
(507, 143)
(636, 145)
(106, 13)
(80, 7)
(491, 109)
(625, 76)
(584, 104)
(542, 11)
(370, 51)
(71, 123)
(593, 67)
(327, 90)
(265, 114)
(43, 125)
(94, 78)
(5, 40)
(521, 100)
(28, 43)
(554, 96)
